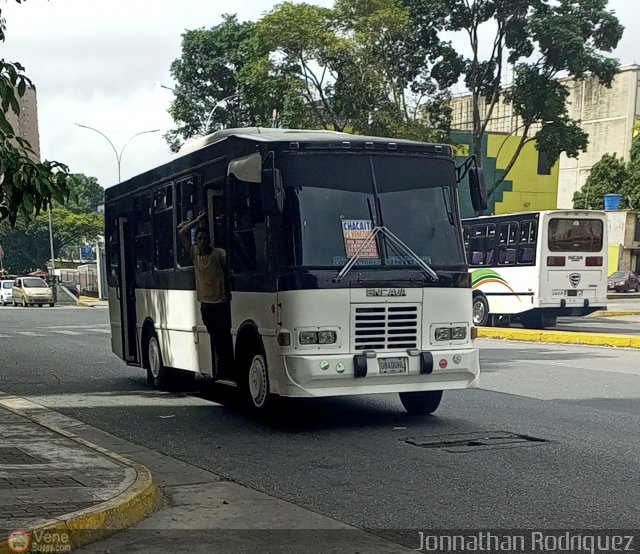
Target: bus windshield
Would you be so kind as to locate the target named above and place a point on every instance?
(332, 202)
(575, 235)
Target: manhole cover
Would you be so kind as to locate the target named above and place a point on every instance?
(15, 456)
(38, 482)
(471, 442)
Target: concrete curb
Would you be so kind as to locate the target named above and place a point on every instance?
(93, 524)
(560, 337)
(613, 314)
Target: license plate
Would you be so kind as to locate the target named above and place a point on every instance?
(392, 365)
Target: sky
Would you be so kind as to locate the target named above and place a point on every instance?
(100, 63)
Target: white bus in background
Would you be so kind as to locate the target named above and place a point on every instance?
(346, 266)
(536, 266)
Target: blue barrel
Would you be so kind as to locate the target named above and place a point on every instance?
(612, 201)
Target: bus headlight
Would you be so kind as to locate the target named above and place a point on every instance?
(450, 333)
(317, 337)
(308, 337)
(326, 337)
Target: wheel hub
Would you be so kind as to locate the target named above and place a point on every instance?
(258, 381)
(154, 357)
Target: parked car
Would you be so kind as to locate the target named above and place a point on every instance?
(29, 291)
(6, 293)
(623, 281)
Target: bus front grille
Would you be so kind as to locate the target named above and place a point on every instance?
(385, 327)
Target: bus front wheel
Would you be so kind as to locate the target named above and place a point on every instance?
(480, 311)
(255, 381)
(421, 402)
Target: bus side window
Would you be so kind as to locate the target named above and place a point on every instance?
(113, 256)
(163, 242)
(249, 230)
(527, 244)
(481, 244)
(187, 209)
(142, 239)
(509, 235)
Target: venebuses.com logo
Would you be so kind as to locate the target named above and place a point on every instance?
(19, 541)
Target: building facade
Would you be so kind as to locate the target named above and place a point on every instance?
(25, 124)
(608, 115)
(532, 183)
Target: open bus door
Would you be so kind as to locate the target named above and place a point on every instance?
(127, 292)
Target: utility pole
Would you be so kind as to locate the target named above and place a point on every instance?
(52, 273)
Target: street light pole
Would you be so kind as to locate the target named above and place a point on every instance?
(118, 156)
(218, 104)
(53, 263)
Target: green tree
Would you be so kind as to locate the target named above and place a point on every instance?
(26, 244)
(357, 67)
(608, 176)
(86, 193)
(542, 40)
(631, 189)
(27, 186)
(207, 73)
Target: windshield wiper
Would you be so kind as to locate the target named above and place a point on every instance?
(395, 241)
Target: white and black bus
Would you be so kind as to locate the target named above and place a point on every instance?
(536, 266)
(345, 258)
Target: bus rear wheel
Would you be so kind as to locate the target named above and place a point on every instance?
(421, 402)
(480, 311)
(158, 375)
(538, 321)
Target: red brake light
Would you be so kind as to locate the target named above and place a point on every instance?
(594, 261)
(556, 260)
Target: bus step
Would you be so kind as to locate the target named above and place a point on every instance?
(226, 382)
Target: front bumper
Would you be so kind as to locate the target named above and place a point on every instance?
(335, 375)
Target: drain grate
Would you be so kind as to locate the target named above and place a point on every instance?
(15, 456)
(472, 442)
(38, 482)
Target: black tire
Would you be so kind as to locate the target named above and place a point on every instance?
(39, 305)
(480, 311)
(52, 304)
(421, 402)
(254, 380)
(532, 321)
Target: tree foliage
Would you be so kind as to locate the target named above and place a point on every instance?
(542, 40)
(358, 67)
(27, 247)
(86, 193)
(27, 186)
(607, 176)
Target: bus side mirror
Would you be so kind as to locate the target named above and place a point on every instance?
(477, 189)
(272, 193)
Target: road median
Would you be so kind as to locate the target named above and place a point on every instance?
(560, 337)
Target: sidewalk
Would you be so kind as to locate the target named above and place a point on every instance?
(63, 490)
(90, 302)
(202, 512)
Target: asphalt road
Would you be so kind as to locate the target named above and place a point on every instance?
(563, 447)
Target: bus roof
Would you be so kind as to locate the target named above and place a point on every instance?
(560, 212)
(268, 134)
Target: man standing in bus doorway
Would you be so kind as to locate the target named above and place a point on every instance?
(210, 269)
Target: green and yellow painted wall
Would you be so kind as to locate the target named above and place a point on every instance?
(530, 185)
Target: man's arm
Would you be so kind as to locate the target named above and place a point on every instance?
(184, 232)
